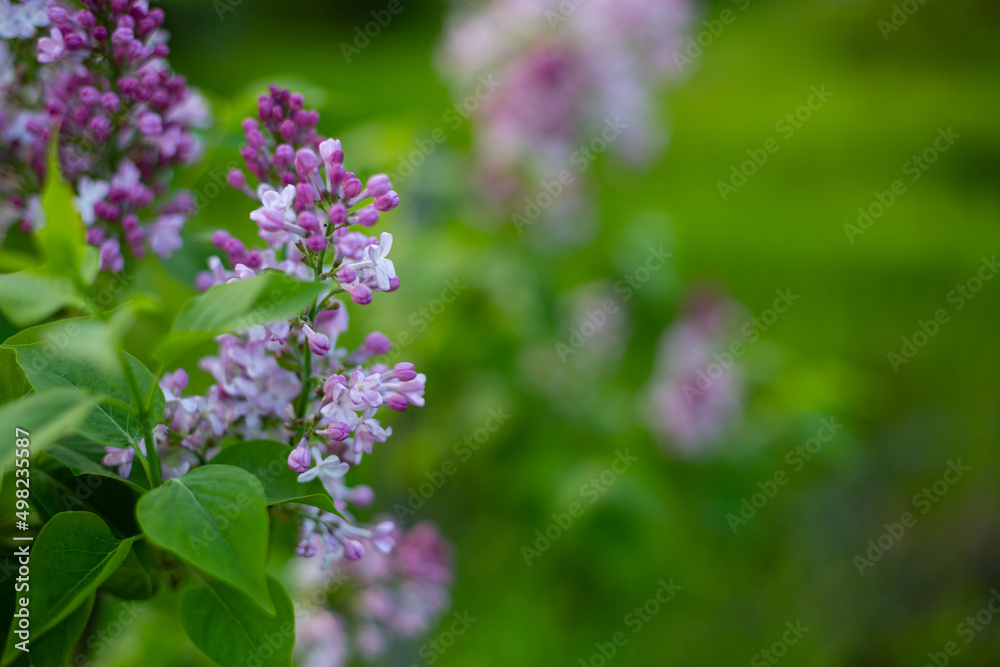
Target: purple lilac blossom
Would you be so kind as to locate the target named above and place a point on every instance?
(400, 594)
(291, 380)
(695, 400)
(98, 78)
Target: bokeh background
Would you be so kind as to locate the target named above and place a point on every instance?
(494, 347)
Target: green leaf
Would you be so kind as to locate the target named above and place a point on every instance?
(55, 490)
(81, 465)
(236, 306)
(62, 237)
(231, 629)
(214, 517)
(73, 554)
(13, 384)
(31, 296)
(115, 419)
(45, 416)
(130, 581)
(268, 462)
(51, 649)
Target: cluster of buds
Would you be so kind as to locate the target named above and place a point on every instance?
(100, 86)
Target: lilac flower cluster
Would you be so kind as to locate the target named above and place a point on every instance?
(290, 380)
(397, 595)
(566, 71)
(123, 120)
(695, 397)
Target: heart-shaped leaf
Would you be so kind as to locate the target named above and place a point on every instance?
(231, 629)
(214, 517)
(267, 460)
(73, 554)
(115, 419)
(235, 306)
(81, 465)
(51, 649)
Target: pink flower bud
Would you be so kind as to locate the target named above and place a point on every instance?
(299, 459)
(353, 550)
(306, 162)
(378, 343)
(110, 102)
(361, 294)
(337, 215)
(308, 221)
(319, 343)
(346, 274)
(237, 179)
(367, 216)
(379, 185)
(316, 243)
(398, 403)
(338, 431)
(386, 202)
(404, 371)
(352, 186)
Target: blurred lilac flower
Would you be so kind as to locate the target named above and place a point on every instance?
(695, 400)
(542, 79)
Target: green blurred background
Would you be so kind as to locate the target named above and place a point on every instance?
(493, 348)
